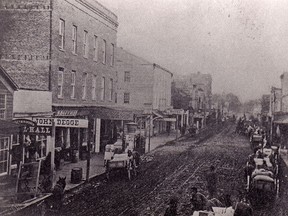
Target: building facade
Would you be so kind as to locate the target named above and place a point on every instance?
(143, 86)
(59, 55)
(199, 87)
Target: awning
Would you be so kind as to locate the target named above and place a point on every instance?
(8, 127)
(112, 113)
(282, 121)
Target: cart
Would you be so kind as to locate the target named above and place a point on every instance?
(263, 180)
(123, 162)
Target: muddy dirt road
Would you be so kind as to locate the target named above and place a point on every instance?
(169, 170)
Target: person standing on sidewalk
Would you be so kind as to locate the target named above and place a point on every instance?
(212, 181)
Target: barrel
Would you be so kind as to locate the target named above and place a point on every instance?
(76, 175)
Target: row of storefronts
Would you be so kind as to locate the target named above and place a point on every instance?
(65, 133)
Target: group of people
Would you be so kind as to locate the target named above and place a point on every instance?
(199, 202)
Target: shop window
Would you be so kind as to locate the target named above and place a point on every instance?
(4, 151)
(2, 106)
(36, 146)
(16, 151)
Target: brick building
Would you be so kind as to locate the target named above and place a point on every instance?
(199, 87)
(59, 56)
(143, 86)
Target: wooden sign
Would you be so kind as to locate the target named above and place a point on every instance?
(62, 122)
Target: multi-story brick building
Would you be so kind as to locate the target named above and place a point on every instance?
(60, 53)
(199, 87)
(143, 85)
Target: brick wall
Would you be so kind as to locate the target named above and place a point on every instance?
(24, 42)
(86, 19)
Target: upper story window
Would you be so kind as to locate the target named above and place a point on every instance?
(74, 39)
(127, 76)
(73, 83)
(85, 44)
(111, 89)
(60, 82)
(3, 106)
(115, 97)
(84, 86)
(112, 55)
(103, 88)
(96, 48)
(126, 97)
(94, 87)
(62, 33)
(104, 52)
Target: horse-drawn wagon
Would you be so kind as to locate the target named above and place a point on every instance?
(126, 162)
(262, 172)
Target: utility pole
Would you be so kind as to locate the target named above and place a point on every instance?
(90, 127)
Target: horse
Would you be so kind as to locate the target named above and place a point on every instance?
(58, 194)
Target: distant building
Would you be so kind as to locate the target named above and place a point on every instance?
(199, 87)
(142, 85)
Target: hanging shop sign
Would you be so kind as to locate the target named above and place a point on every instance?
(25, 122)
(62, 122)
(37, 130)
(66, 112)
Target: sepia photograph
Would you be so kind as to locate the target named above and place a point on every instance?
(143, 108)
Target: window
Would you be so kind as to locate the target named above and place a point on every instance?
(127, 77)
(94, 87)
(84, 86)
(112, 55)
(103, 88)
(85, 44)
(95, 48)
(126, 98)
(2, 106)
(104, 52)
(60, 82)
(111, 89)
(73, 83)
(62, 33)
(74, 39)
(115, 97)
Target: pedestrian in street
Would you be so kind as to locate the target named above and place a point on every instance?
(198, 200)
(172, 208)
(212, 180)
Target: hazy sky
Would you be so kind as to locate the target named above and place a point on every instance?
(243, 44)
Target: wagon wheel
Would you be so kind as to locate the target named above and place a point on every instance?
(277, 187)
(107, 171)
(248, 183)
